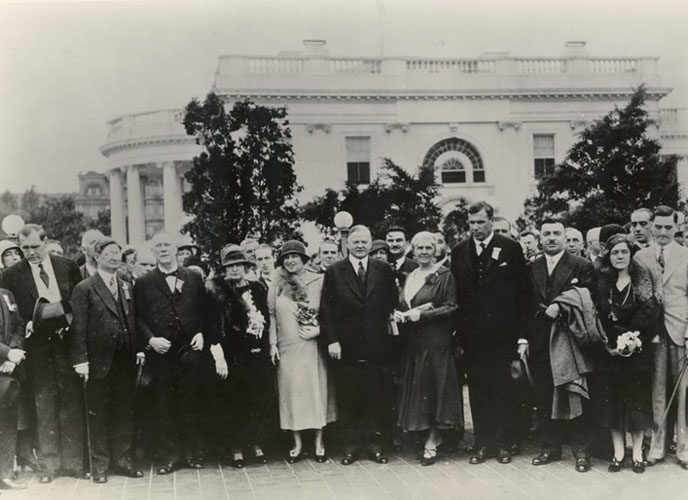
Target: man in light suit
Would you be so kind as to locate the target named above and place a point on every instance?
(667, 263)
(57, 389)
(358, 297)
(550, 274)
(489, 269)
(102, 352)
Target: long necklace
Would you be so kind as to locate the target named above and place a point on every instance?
(612, 313)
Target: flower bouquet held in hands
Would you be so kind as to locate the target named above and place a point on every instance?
(305, 315)
(629, 343)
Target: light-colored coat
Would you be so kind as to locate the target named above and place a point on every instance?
(671, 287)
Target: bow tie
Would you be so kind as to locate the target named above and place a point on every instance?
(172, 274)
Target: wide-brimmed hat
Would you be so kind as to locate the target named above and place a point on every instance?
(233, 254)
(292, 246)
(378, 245)
(51, 316)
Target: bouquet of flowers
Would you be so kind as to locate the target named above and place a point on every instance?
(305, 315)
(629, 343)
(256, 321)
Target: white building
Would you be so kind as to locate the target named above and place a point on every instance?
(489, 124)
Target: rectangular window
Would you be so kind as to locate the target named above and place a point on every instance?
(358, 160)
(543, 154)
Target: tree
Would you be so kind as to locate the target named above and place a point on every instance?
(243, 183)
(614, 168)
(61, 221)
(455, 224)
(394, 197)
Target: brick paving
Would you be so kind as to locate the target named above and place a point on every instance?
(452, 477)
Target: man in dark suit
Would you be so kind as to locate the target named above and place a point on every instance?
(57, 389)
(400, 262)
(11, 376)
(102, 351)
(490, 274)
(170, 305)
(358, 297)
(88, 242)
(548, 276)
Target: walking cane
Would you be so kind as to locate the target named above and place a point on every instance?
(681, 372)
(88, 431)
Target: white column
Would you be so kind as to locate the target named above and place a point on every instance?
(118, 222)
(171, 197)
(137, 230)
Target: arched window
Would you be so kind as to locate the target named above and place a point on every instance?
(453, 157)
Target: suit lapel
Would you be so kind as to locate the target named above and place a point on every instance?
(371, 278)
(351, 278)
(540, 276)
(161, 282)
(62, 277)
(560, 275)
(104, 292)
(28, 279)
(466, 256)
(675, 258)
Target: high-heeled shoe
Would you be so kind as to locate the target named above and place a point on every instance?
(615, 466)
(292, 457)
(638, 467)
(259, 457)
(429, 456)
(238, 461)
(321, 458)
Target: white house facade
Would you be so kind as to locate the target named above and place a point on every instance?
(490, 125)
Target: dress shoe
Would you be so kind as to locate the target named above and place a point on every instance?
(321, 459)
(684, 465)
(100, 479)
(86, 475)
(238, 463)
(480, 456)
(190, 463)
(45, 478)
(260, 458)
(378, 457)
(649, 462)
(638, 467)
(583, 464)
(429, 457)
(129, 472)
(11, 484)
(615, 465)
(671, 449)
(165, 469)
(503, 456)
(545, 458)
(348, 459)
(293, 457)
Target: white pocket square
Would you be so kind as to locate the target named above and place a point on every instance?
(574, 281)
(503, 264)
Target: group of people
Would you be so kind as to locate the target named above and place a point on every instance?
(99, 361)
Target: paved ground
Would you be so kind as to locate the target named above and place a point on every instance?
(403, 478)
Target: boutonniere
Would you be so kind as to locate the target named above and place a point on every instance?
(178, 285)
(10, 304)
(125, 289)
(495, 253)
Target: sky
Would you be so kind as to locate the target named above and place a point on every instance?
(66, 68)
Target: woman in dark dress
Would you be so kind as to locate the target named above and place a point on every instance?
(431, 397)
(240, 319)
(625, 304)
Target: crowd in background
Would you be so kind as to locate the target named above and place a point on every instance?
(153, 353)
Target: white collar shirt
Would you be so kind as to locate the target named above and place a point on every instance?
(667, 250)
(354, 262)
(170, 280)
(52, 291)
(479, 245)
(553, 260)
(110, 280)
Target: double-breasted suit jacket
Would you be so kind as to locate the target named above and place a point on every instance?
(671, 286)
(56, 388)
(358, 317)
(98, 325)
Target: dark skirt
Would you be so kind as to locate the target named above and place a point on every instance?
(627, 399)
(430, 390)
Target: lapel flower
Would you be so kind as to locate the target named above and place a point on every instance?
(495, 253)
(178, 285)
(10, 304)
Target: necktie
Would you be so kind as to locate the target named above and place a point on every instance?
(660, 259)
(550, 265)
(43, 275)
(481, 247)
(113, 287)
(361, 273)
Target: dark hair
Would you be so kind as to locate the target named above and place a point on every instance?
(528, 232)
(664, 211)
(195, 260)
(102, 243)
(476, 207)
(396, 229)
(126, 253)
(607, 275)
(552, 220)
